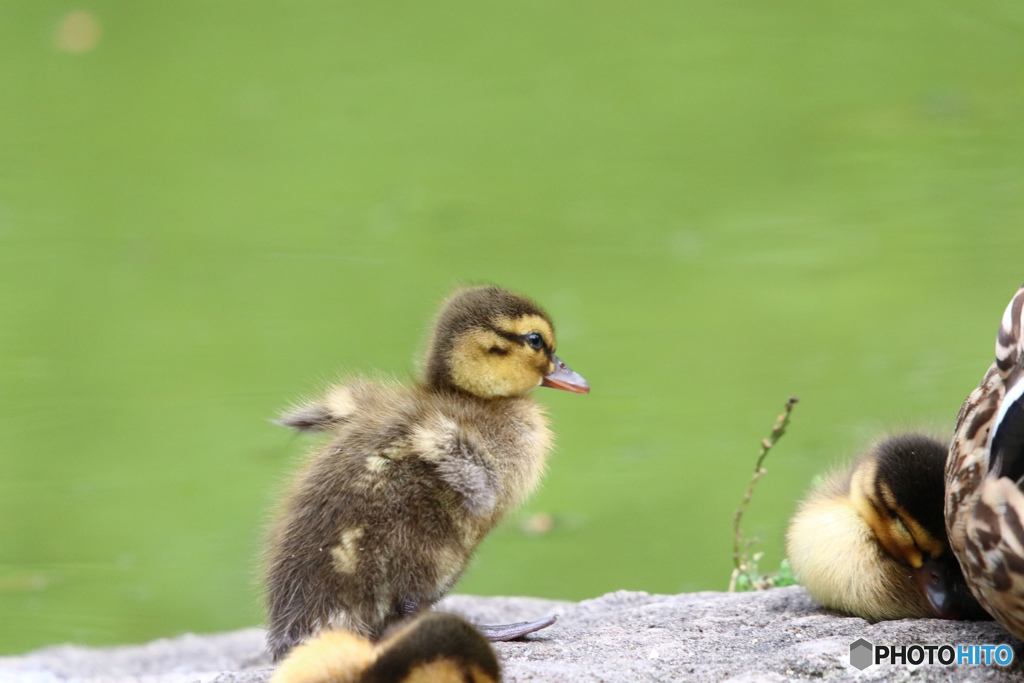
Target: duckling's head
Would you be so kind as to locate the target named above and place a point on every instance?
(491, 342)
(898, 490)
(874, 542)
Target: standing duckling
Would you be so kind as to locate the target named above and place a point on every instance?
(870, 540)
(384, 517)
(433, 647)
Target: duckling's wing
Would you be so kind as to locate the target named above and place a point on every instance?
(460, 461)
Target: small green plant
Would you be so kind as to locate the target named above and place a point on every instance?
(745, 574)
(750, 579)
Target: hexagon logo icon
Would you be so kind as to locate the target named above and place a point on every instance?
(861, 654)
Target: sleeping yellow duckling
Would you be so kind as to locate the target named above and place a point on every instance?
(384, 517)
(432, 648)
(985, 475)
(870, 540)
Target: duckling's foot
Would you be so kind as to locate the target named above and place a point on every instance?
(504, 632)
(410, 606)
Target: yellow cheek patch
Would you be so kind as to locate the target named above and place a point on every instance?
(510, 372)
(922, 539)
(898, 542)
(908, 533)
(862, 485)
(903, 537)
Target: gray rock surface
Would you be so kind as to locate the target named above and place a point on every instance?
(776, 635)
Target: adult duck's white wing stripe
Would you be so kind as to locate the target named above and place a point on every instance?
(1008, 347)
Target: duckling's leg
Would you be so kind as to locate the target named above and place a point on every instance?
(499, 634)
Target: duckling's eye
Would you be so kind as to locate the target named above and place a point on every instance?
(535, 340)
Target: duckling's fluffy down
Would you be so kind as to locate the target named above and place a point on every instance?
(834, 554)
(391, 507)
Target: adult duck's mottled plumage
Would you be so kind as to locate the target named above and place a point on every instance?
(384, 517)
(433, 648)
(984, 473)
(870, 540)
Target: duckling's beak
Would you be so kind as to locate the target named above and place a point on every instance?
(937, 586)
(562, 377)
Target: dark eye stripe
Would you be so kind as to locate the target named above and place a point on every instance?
(519, 338)
(510, 336)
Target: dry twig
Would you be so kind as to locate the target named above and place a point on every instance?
(741, 566)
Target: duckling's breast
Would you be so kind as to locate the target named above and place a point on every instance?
(516, 440)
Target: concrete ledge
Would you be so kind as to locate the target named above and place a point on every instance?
(776, 635)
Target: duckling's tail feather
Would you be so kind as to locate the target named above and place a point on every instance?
(312, 417)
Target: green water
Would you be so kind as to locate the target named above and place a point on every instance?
(224, 204)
